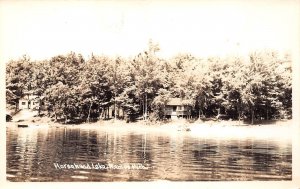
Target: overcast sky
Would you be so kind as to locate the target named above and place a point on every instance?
(45, 29)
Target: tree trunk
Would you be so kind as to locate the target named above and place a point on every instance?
(102, 113)
(88, 118)
(239, 112)
(115, 92)
(39, 112)
(239, 118)
(108, 112)
(144, 107)
(252, 116)
(115, 109)
(55, 115)
(65, 118)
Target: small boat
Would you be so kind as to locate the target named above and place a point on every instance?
(22, 125)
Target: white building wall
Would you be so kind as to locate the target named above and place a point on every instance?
(34, 104)
(23, 104)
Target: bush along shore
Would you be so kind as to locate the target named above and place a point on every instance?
(71, 89)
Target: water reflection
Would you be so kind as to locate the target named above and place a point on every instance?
(32, 152)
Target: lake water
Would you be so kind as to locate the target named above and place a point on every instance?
(113, 154)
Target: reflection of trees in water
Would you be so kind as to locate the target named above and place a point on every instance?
(28, 155)
(119, 149)
(92, 145)
(268, 158)
(262, 162)
(12, 150)
(205, 157)
(241, 160)
(14, 154)
(174, 157)
(204, 153)
(70, 142)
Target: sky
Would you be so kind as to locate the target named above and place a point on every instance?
(42, 29)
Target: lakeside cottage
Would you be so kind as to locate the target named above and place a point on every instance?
(30, 101)
(178, 108)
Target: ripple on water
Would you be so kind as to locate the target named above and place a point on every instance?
(172, 157)
(83, 172)
(79, 177)
(10, 176)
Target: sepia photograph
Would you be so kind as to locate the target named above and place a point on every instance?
(149, 91)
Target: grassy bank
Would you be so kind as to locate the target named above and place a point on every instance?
(179, 122)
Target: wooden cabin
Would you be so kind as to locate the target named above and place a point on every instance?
(30, 101)
(178, 108)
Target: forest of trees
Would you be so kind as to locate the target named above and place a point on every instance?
(256, 87)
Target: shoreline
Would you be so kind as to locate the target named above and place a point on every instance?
(34, 118)
(180, 122)
(282, 130)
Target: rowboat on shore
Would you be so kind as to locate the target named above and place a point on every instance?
(22, 125)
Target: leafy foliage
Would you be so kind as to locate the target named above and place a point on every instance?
(256, 87)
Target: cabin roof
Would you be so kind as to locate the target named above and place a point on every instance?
(32, 97)
(25, 92)
(178, 102)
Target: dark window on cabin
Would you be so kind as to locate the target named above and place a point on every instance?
(23, 103)
(174, 108)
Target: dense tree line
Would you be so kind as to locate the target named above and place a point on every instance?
(256, 87)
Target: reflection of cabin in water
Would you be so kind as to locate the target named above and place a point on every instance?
(177, 107)
(30, 101)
